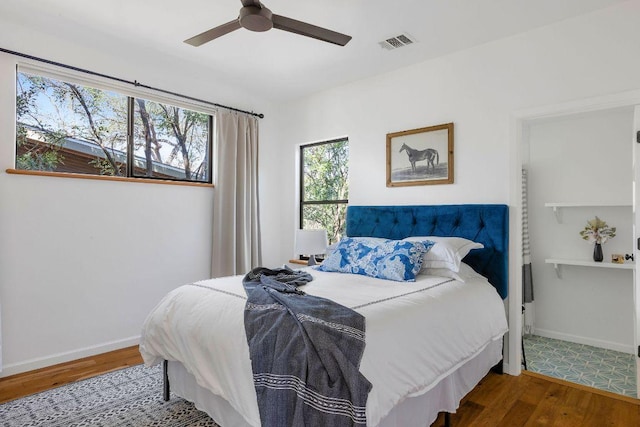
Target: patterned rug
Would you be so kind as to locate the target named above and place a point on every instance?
(583, 364)
(128, 397)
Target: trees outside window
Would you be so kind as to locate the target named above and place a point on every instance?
(324, 187)
(169, 135)
(68, 127)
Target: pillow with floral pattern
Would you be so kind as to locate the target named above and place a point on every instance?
(398, 260)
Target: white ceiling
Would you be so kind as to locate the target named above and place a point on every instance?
(281, 66)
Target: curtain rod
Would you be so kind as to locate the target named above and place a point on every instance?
(134, 83)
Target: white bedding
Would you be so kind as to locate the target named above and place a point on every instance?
(416, 333)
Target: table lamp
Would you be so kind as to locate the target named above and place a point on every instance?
(311, 242)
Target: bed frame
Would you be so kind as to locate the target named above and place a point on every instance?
(483, 223)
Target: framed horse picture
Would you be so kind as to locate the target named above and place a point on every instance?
(420, 156)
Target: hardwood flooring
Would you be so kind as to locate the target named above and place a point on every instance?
(20, 385)
(536, 400)
(498, 401)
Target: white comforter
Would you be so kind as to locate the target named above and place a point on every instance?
(414, 337)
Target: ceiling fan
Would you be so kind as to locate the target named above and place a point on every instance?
(255, 16)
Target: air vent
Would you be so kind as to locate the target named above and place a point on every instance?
(398, 41)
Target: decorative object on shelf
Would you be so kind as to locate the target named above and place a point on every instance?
(420, 156)
(597, 231)
(597, 253)
(617, 258)
(312, 243)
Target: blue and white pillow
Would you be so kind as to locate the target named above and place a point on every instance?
(381, 258)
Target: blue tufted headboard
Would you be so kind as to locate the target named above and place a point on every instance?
(486, 224)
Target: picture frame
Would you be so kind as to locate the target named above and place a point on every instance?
(421, 156)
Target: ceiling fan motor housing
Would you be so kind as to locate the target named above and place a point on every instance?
(255, 18)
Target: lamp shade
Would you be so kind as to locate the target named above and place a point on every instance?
(311, 242)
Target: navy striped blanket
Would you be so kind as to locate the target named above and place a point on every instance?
(305, 353)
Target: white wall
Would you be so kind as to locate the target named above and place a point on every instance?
(477, 89)
(582, 158)
(82, 262)
(481, 90)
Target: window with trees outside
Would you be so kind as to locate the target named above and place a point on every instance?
(62, 126)
(324, 186)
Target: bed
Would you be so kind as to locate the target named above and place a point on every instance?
(428, 342)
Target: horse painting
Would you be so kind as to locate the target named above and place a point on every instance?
(419, 155)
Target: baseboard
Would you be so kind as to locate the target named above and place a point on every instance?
(585, 340)
(54, 359)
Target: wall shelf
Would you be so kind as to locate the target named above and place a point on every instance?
(557, 262)
(557, 207)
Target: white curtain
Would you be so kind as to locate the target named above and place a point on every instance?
(236, 223)
(527, 278)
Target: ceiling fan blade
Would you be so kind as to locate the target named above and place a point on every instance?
(213, 33)
(309, 30)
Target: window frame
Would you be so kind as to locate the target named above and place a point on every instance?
(302, 202)
(131, 93)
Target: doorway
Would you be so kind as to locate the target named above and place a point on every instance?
(581, 325)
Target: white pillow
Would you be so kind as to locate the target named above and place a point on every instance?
(447, 251)
(465, 273)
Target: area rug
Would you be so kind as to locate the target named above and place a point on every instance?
(128, 397)
(583, 364)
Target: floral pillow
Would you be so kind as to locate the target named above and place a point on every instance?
(387, 259)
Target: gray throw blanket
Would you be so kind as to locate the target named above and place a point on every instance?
(305, 353)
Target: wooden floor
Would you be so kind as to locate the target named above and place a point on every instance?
(532, 399)
(498, 401)
(32, 382)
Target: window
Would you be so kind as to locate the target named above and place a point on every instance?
(63, 126)
(324, 190)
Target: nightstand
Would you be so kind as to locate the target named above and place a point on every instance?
(299, 263)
